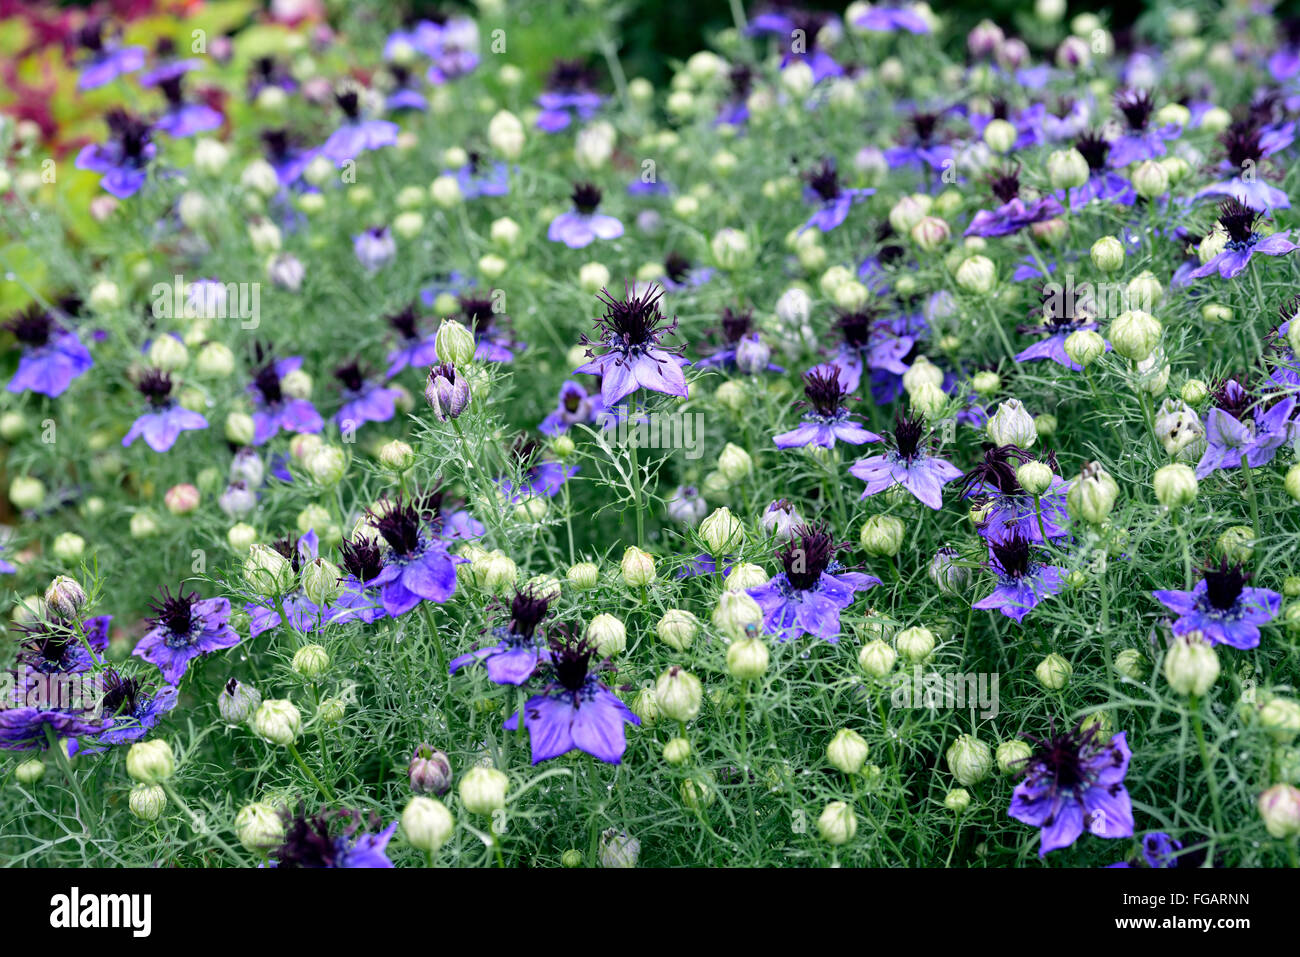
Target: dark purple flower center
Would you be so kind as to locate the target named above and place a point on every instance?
(1232, 398)
(267, 381)
(171, 88)
(1094, 148)
(478, 312)
(349, 102)
(741, 78)
(824, 391)
(924, 124)
(33, 327)
(276, 144)
(571, 660)
(736, 324)
(824, 180)
(1064, 107)
(131, 134)
(1241, 143)
(156, 386)
(307, 840)
(586, 197)
(288, 550)
(349, 373)
(634, 324)
(527, 609)
(405, 323)
(91, 35)
(1224, 585)
(1238, 221)
(569, 76)
(1137, 107)
(807, 557)
(175, 613)
(361, 558)
(399, 526)
(1000, 108)
(121, 695)
(1011, 556)
(1005, 184)
(1063, 758)
(676, 266)
(856, 327)
(997, 469)
(908, 432)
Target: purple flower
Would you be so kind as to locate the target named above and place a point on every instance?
(1238, 221)
(574, 710)
(374, 248)
(130, 710)
(1075, 781)
(1141, 141)
(568, 96)
(493, 344)
(475, 180)
(1010, 510)
(574, 406)
(185, 627)
(1022, 581)
(124, 158)
(680, 275)
(1239, 427)
(23, 728)
(55, 648)
(166, 419)
(1013, 215)
(630, 331)
(742, 347)
(1104, 186)
(908, 464)
(363, 401)
(1160, 850)
(826, 419)
(582, 225)
(167, 65)
(52, 356)
(275, 410)
(1222, 608)
(183, 119)
(356, 135)
(833, 201)
(1065, 311)
(1245, 145)
(881, 346)
(544, 478)
(286, 159)
(310, 841)
(404, 96)
(518, 650)
(417, 566)
(921, 148)
(807, 597)
(106, 61)
(414, 350)
(357, 599)
(891, 20)
(303, 614)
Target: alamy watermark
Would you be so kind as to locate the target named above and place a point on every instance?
(930, 689)
(657, 430)
(208, 299)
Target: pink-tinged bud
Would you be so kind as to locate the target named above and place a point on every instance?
(447, 392)
(984, 39)
(181, 499)
(429, 771)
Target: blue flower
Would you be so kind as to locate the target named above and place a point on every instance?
(631, 331)
(184, 628)
(518, 651)
(582, 225)
(827, 420)
(1238, 221)
(1222, 607)
(833, 201)
(807, 597)
(908, 464)
(167, 419)
(311, 841)
(52, 357)
(574, 710)
(355, 134)
(1023, 582)
(1239, 427)
(417, 566)
(274, 410)
(363, 401)
(124, 159)
(182, 119)
(1075, 781)
(106, 60)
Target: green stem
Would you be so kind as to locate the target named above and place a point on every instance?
(1210, 779)
(61, 756)
(635, 477)
(311, 776)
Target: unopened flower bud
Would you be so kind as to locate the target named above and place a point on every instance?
(1012, 424)
(882, 536)
(877, 659)
(747, 658)
(1175, 485)
(837, 824)
(278, 721)
(64, 597)
(429, 771)
(583, 576)
(1091, 496)
(969, 759)
(608, 634)
(677, 628)
(147, 801)
(1191, 666)
(1279, 808)
(1067, 169)
(847, 751)
(1084, 347)
(734, 463)
(638, 567)
(736, 613)
(1053, 672)
(259, 827)
(1134, 334)
(454, 343)
(1013, 756)
(722, 532)
(679, 694)
(483, 790)
(915, 643)
(150, 762)
(311, 661)
(427, 824)
(1035, 477)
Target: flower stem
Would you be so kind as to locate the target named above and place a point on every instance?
(635, 477)
(1210, 779)
(311, 776)
(62, 757)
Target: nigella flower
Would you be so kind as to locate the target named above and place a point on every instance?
(909, 464)
(492, 343)
(1238, 221)
(452, 46)
(1285, 372)
(266, 73)
(1009, 509)
(358, 600)
(743, 348)
(1075, 781)
(1240, 426)
(1222, 607)
(832, 200)
(414, 349)
(1160, 850)
(574, 710)
(884, 347)
(285, 157)
(1104, 184)
(303, 614)
(52, 356)
(55, 648)
(124, 158)
(518, 650)
(106, 60)
(167, 64)
(1022, 581)
(631, 331)
(275, 410)
(1245, 145)
(311, 841)
(574, 406)
(356, 135)
(22, 727)
(166, 419)
(363, 400)
(1065, 311)
(539, 477)
(735, 111)
(7, 568)
(374, 248)
(1068, 119)
(921, 148)
(451, 523)
(882, 19)
(789, 22)
(417, 566)
(1026, 122)
(568, 95)
(131, 710)
(680, 274)
(826, 419)
(475, 179)
(1140, 141)
(1013, 215)
(182, 119)
(807, 596)
(404, 95)
(185, 627)
(582, 225)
